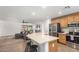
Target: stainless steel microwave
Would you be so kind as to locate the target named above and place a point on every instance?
(73, 25)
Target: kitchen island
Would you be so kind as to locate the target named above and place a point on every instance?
(45, 42)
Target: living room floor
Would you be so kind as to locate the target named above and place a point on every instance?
(12, 45)
(19, 45)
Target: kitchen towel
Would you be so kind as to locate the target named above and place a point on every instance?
(72, 37)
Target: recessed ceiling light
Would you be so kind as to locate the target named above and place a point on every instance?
(43, 6)
(33, 13)
(59, 12)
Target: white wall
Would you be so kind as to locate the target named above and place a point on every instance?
(12, 27)
(43, 47)
(44, 25)
(9, 28)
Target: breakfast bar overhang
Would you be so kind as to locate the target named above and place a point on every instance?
(45, 42)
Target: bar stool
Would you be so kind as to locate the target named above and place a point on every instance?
(33, 48)
(28, 42)
(30, 47)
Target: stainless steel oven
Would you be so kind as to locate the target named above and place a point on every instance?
(73, 25)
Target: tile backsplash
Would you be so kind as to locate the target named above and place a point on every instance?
(66, 30)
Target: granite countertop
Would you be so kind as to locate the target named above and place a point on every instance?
(41, 38)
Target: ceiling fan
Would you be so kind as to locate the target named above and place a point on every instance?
(24, 22)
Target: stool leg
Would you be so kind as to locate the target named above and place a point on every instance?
(27, 49)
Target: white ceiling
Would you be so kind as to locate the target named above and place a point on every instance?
(19, 13)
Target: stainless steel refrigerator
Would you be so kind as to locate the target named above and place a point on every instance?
(54, 29)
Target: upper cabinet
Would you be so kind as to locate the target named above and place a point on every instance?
(76, 18)
(55, 21)
(70, 19)
(63, 22)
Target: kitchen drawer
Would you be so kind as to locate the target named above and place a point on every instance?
(62, 41)
(62, 35)
(62, 38)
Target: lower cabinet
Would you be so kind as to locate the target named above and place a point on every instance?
(62, 38)
(52, 46)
